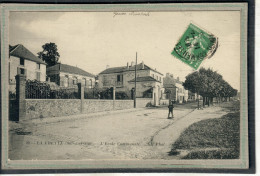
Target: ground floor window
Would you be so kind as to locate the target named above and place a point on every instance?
(66, 81)
(75, 80)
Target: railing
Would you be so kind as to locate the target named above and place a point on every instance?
(124, 95)
(41, 90)
(97, 93)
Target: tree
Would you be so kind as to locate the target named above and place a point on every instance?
(209, 84)
(195, 82)
(49, 54)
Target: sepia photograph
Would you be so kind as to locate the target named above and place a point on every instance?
(124, 86)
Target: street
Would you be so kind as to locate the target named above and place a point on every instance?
(141, 134)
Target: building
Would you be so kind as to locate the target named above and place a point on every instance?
(169, 87)
(69, 76)
(174, 89)
(182, 94)
(149, 82)
(23, 61)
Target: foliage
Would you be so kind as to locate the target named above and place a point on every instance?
(121, 95)
(49, 54)
(41, 90)
(209, 84)
(97, 93)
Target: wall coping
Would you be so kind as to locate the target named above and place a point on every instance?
(73, 100)
(50, 99)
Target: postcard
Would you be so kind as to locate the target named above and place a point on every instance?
(124, 86)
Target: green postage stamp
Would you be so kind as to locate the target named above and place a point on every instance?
(194, 46)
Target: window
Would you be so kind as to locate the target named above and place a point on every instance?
(22, 71)
(38, 66)
(160, 78)
(84, 82)
(66, 81)
(153, 75)
(21, 61)
(38, 76)
(75, 80)
(119, 80)
(157, 78)
(90, 83)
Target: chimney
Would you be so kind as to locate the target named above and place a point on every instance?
(107, 66)
(132, 63)
(127, 65)
(142, 64)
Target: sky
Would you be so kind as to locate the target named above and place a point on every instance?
(93, 40)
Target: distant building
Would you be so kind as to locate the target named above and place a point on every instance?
(174, 90)
(149, 81)
(23, 61)
(181, 93)
(169, 87)
(69, 76)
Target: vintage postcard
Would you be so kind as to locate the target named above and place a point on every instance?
(153, 86)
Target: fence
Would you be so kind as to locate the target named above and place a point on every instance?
(42, 90)
(97, 93)
(106, 94)
(37, 100)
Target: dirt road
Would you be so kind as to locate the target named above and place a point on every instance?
(143, 134)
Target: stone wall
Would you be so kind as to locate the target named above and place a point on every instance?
(124, 104)
(90, 106)
(41, 108)
(143, 102)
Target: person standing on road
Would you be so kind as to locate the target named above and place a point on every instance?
(170, 107)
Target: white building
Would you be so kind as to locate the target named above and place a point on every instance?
(22, 61)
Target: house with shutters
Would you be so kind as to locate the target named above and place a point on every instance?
(149, 82)
(68, 76)
(23, 61)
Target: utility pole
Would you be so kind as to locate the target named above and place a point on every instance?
(135, 82)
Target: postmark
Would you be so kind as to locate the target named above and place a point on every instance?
(194, 46)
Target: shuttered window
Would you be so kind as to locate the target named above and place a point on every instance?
(66, 81)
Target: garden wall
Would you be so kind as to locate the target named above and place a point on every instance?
(90, 106)
(143, 102)
(40, 108)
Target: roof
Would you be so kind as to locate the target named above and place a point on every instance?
(169, 86)
(178, 81)
(69, 69)
(130, 68)
(22, 52)
(143, 79)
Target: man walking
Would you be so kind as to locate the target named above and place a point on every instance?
(170, 107)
